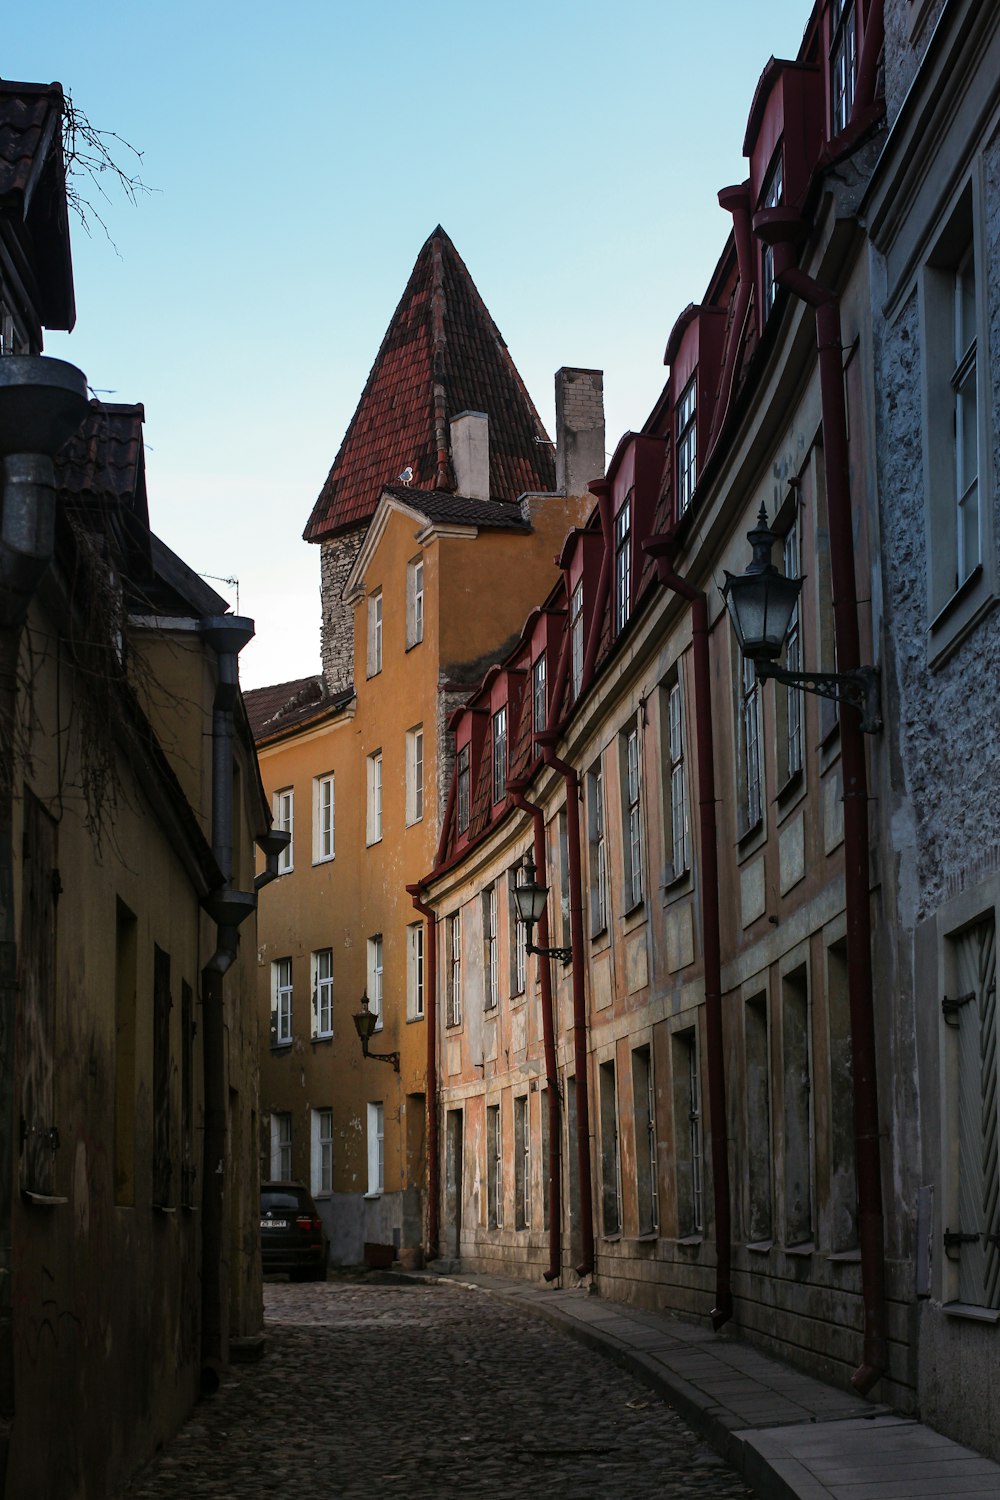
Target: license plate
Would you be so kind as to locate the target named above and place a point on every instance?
(274, 1223)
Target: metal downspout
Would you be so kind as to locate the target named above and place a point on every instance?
(780, 228)
(547, 741)
(430, 1098)
(662, 548)
(548, 1043)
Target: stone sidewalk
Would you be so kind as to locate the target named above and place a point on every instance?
(790, 1436)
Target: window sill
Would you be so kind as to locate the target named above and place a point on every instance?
(414, 822)
(613, 1238)
(281, 1046)
(970, 1311)
(412, 645)
(163, 1208)
(964, 611)
(845, 1257)
(453, 1025)
(650, 1238)
(802, 1251)
(518, 998)
(792, 784)
(749, 838)
(370, 843)
(689, 1241)
(43, 1200)
(634, 909)
(760, 1247)
(324, 859)
(675, 886)
(321, 1037)
(412, 1020)
(370, 1197)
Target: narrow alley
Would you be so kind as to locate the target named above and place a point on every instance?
(420, 1390)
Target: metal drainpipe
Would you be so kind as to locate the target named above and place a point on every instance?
(548, 1044)
(227, 635)
(431, 1101)
(781, 228)
(547, 739)
(42, 401)
(662, 548)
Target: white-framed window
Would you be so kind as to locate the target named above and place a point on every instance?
(623, 565)
(375, 633)
(687, 445)
(611, 1160)
(798, 1126)
(281, 1002)
(598, 850)
(843, 63)
(793, 661)
(415, 602)
(687, 1135)
(463, 777)
(415, 971)
(375, 978)
(283, 809)
(281, 1147)
(454, 944)
(376, 1147)
(539, 701)
(522, 1163)
(576, 637)
(374, 827)
(771, 197)
(677, 827)
(494, 1167)
(321, 1156)
(644, 1103)
(491, 957)
(322, 988)
(323, 818)
(518, 932)
(750, 757)
(499, 728)
(414, 774)
(630, 755)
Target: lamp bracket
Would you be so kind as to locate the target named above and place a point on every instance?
(859, 687)
(564, 955)
(389, 1057)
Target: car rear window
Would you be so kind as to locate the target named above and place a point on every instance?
(282, 1198)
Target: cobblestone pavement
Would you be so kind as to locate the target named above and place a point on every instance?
(371, 1390)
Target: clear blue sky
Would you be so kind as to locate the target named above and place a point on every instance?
(299, 159)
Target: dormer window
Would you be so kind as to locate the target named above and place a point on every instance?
(843, 62)
(539, 704)
(500, 754)
(771, 197)
(464, 778)
(687, 446)
(576, 638)
(623, 565)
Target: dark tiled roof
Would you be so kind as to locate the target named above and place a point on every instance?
(285, 705)
(439, 505)
(104, 462)
(441, 346)
(29, 112)
(33, 185)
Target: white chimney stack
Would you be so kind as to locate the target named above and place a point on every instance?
(470, 454)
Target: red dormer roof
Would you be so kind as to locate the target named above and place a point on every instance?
(442, 354)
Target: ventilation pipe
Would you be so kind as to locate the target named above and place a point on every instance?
(548, 1041)
(228, 908)
(430, 1098)
(42, 402)
(782, 228)
(662, 549)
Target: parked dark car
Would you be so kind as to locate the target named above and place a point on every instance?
(292, 1237)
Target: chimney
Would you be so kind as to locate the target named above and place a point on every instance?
(579, 429)
(470, 454)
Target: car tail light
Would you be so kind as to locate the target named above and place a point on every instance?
(306, 1221)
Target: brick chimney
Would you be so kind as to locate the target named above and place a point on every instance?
(579, 429)
(470, 454)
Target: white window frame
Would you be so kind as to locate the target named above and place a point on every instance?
(494, 1166)
(415, 971)
(376, 960)
(519, 935)
(281, 1000)
(374, 662)
(675, 762)
(463, 790)
(598, 849)
(374, 817)
(491, 953)
(539, 699)
(322, 988)
(843, 63)
(283, 809)
(324, 818)
(750, 759)
(321, 1155)
(414, 602)
(623, 564)
(630, 751)
(772, 196)
(498, 739)
(522, 1170)
(414, 774)
(454, 922)
(281, 1146)
(576, 637)
(687, 444)
(376, 1148)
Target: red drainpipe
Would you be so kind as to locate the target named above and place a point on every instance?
(781, 228)
(546, 739)
(431, 1109)
(548, 1041)
(662, 548)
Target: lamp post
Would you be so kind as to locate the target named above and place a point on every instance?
(364, 1024)
(530, 896)
(761, 602)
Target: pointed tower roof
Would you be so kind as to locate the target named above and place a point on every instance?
(442, 354)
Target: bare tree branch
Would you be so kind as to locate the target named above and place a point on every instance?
(94, 164)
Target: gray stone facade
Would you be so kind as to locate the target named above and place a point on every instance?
(337, 629)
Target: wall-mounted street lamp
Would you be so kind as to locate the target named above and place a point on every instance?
(364, 1023)
(530, 897)
(761, 602)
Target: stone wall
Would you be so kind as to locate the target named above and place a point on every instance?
(337, 630)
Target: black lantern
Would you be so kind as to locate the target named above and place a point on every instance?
(761, 603)
(530, 896)
(365, 1022)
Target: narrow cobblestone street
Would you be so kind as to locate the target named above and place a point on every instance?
(376, 1390)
